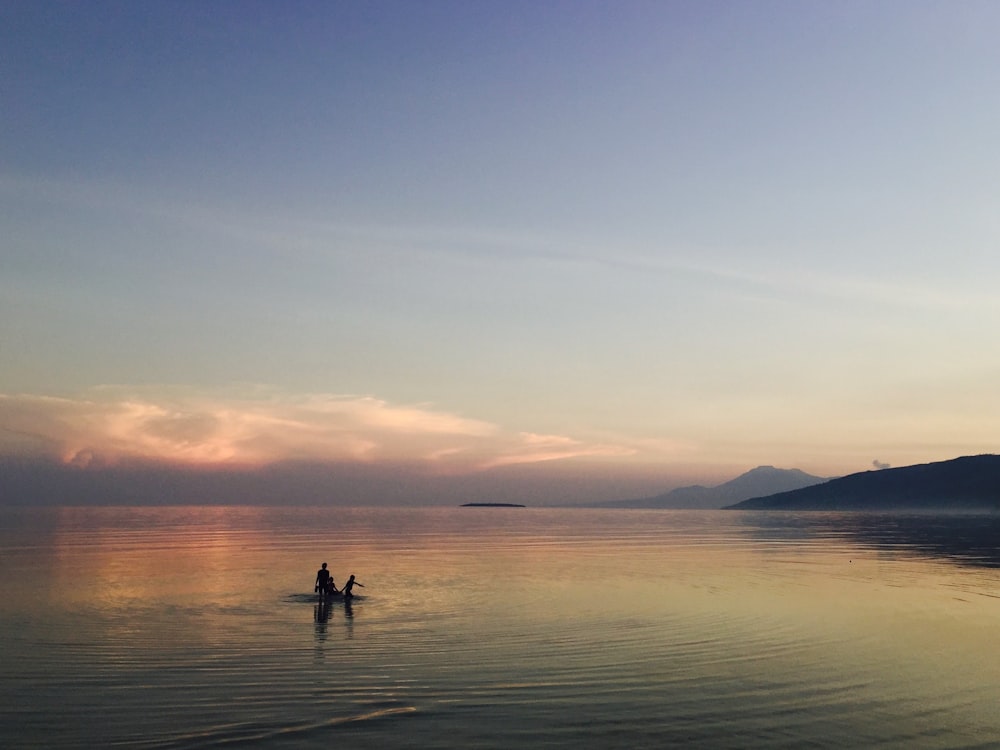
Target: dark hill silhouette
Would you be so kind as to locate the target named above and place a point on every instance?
(754, 483)
(966, 483)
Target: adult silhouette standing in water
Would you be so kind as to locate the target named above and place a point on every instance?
(324, 583)
(351, 583)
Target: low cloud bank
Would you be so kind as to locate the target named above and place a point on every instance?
(259, 427)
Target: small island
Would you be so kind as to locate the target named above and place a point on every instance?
(491, 505)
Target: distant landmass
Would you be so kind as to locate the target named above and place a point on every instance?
(966, 483)
(764, 480)
(492, 505)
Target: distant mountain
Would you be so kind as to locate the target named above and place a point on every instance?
(763, 480)
(966, 483)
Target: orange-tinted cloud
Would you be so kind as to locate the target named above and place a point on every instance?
(260, 426)
(530, 448)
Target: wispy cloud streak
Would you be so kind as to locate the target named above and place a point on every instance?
(282, 233)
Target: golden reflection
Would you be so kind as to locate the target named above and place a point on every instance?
(222, 575)
(210, 612)
(126, 561)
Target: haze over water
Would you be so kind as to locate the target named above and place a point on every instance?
(188, 627)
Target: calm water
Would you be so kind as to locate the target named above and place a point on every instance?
(498, 628)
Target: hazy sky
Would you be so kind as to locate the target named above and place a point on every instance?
(666, 240)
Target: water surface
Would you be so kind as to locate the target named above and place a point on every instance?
(188, 627)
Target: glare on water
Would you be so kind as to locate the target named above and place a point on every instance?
(493, 627)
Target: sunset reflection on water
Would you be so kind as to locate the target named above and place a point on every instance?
(507, 626)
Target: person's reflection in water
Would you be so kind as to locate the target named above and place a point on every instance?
(349, 618)
(321, 616)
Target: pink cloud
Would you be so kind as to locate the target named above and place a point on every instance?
(259, 426)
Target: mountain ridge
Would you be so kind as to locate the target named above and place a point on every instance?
(963, 483)
(757, 481)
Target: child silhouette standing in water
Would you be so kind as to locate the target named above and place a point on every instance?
(351, 583)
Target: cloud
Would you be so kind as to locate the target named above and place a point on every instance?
(879, 465)
(532, 448)
(256, 426)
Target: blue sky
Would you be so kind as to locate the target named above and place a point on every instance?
(667, 241)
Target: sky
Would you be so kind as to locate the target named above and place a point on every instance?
(551, 251)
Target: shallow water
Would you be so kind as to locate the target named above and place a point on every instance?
(191, 627)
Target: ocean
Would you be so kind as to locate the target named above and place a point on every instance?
(197, 627)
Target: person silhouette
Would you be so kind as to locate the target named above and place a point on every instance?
(351, 583)
(323, 581)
